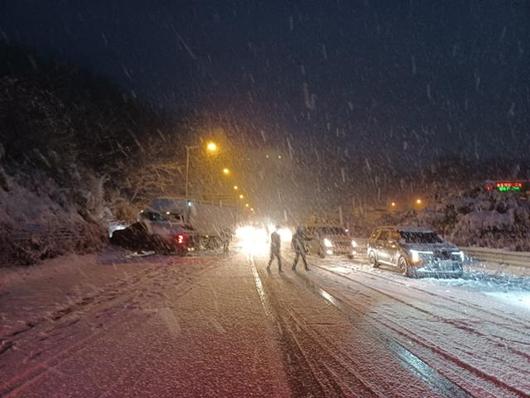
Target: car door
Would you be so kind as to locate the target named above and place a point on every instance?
(372, 241)
(392, 246)
(380, 246)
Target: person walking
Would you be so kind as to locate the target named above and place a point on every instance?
(226, 237)
(298, 244)
(275, 249)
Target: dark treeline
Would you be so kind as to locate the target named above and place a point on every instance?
(63, 120)
(58, 115)
(75, 151)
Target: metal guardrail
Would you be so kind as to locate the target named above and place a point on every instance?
(43, 233)
(30, 242)
(519, 259)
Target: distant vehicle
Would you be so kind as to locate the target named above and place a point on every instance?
(174, 234)
(329, 240)
(189, 223)
(415, 252)
(138, 237)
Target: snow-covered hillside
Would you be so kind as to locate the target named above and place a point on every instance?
(478, 218)
(40, 220)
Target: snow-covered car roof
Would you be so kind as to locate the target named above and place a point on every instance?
(405, 228)
(414, 229)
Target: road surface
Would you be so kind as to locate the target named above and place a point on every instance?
(115, 325)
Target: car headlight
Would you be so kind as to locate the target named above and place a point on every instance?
(327, 242)
(354, 244)
(459, 254)
(415, 256)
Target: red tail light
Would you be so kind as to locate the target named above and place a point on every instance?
(180, 239)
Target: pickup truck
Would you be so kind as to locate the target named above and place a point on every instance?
(189, 224)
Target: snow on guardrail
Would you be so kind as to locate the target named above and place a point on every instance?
(519, 259)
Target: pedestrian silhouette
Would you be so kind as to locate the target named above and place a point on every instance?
(275, 249)
(299, 247)
(226, 237)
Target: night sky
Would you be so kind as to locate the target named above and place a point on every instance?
(397, 82)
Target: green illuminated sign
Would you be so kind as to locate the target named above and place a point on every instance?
(509, 187)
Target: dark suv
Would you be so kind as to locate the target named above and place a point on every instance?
(415, 252)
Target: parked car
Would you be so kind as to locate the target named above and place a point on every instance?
(207, 221)
(415, 252)
(168, 229)
(138, 237)
(328, 240)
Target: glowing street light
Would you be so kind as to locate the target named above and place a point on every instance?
(226, 171)
(236, 187)
(241, 196)
(252, 209)
(212, 147)
(393, 204)
(247, 205)
(419, 201)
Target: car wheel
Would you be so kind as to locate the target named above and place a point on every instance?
(459, 274)
(404, 268)
(373, 260)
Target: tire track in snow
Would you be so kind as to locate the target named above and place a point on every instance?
(410, 334)
(306, 377)
(296, 363)
(450, 308)
(437, 382)
(129, 293)
(497, 340)
(511, 320)
(110, 292)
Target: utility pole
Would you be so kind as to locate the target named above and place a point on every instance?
(188, 148)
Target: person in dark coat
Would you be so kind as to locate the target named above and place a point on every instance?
(226, 237)
(299, 247)
(275, 249)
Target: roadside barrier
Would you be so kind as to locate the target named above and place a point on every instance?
(519, 259)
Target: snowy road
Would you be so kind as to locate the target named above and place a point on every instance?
(112, 325)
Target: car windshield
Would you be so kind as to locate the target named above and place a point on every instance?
(420, 237)
(332, 231)
(174, 217)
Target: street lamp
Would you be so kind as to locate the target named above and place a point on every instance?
(236, 187)
(418, 201)
(226, 171)
(211, 148)
(241, 196)
(393, 204)
(247, 205)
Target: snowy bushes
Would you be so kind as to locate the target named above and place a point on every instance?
(40, 221)
(477, 218)
(68, 141)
